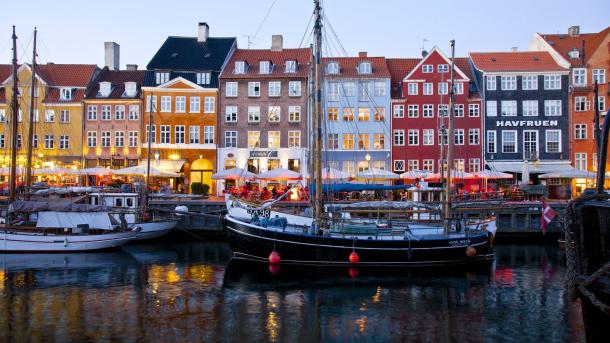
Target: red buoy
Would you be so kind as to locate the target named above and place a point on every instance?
(353, 257)
(274, 257)
(353, 272)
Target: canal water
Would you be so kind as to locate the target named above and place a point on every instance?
(187, 292)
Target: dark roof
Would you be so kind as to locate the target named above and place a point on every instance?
(149, 78)
(399, 68)
(564, 43)
(348, 67)
(277, 58)
(186, 53)
(515, 61)
(117, 79)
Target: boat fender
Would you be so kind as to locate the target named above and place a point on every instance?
(353, 257)
(274, 257)
(66, 242)
(471, 251)
(181, 210)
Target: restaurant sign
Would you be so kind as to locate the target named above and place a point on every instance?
(263, 153)
(518, 123)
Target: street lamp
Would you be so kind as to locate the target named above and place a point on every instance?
(367, 157)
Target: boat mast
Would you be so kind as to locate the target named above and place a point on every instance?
(14, 126)
(149, 138)
(28, 165)
(318, 114)
(450, 139)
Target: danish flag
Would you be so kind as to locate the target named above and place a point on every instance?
(548, 214)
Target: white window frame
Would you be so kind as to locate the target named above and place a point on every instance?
(231, 139)
(412, 88)
(274, 89)
(427, 68)
(474, 136)
(398, 111)
(547, 141)
(552, 82)
(529, 82)
(231, 113)
(579, 76)
(507, 105)
(474, 110)
(209, 104)
(254, 114)
(508, 82)
(166, 103)
(119, 139)
(428, 137)
(254, 89)
(599, 75)
(180, 104)
(194, 104)
(398, 137)
(271, 110)
(491, 83)
(516, 141)
(488, 140)
(428, 88)
(294, 114)
(91, 139)
(179, 134)
(427, 111)
(556, 104)
(294, 88)
(208, 134)
(194, 134)
(529, 108)
(231, 89)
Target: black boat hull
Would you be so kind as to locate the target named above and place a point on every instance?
(253, 243)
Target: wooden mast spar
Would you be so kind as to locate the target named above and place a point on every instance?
(450, 139)
(28, 165)
(14, 124)
(317, 143)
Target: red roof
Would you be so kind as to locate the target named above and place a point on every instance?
(2, 96)
(117, 79)
(564, 43)
(5, 71)
(399, 68)
(514, 61)
(348, 66)
(67, 75)
(277, 58)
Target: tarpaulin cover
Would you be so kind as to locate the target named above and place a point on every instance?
(95, 220)
(58, 206)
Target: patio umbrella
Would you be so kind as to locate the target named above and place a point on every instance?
(454, 175)
(491, 174)
(571, 174)
(332, 173)
(414, 174)
(100, 171)
(234, 174)
(6, 171)
(141, 171)
(51, 171)
(525, 173)
(377, 174)
(279, 174)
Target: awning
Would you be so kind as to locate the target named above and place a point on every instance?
(534, 168)
(173, 166)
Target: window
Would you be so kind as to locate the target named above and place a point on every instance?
(412, 165)
(412, 88)
(91, 139)
(491, 142)
(151, 101)
(294, 139)
(552, 81)
(65, 93)
(474, 136)
(294, 114)
(458, 137)
(291, 66)
(264, 67)
(230, 139)
(208, 135)
(203, 78)
(365, 91)
(2, 141)
(333, 141)
(473, 110)
(529, 82)
(428, 165)
(161, 77)
(474, 165)
(530, 108)
(580, 131)
(443, 88)
(273, 139)
(458, 164)
(363, 141)
(348, 141)
(378, 141)
(581, 104)
(509, 108)
(443, 110)
(399, 111)
(231, 114)
(64, 142)
(36, 118)
(2, 115)
(166, 103)
(19, 116)
(349, 167)
(333, 91)
(428, 136)
(275, 88)
(379, 114)
(180, 104)
(364, 68)
(254, 139)
(231, 89)
(194, 134)
(151, 131)
(254, 89)
(413, 137)
(49, 116)
(349, 88)
(274, 114)
(240, 67)
(509, 141)
(194, 104)
(530, 143)
(458, 110)
(364, 114)
(399, 137)
(442, 68)
(508, 83)
(399, 165)
(428, 111)
(491, 83)
(332, 68)
(574, 53)
(348, 114)
(165, 134)
(119, 139)
(209, 104)
(64, 116)
(579, 76)
(413, 111)
(599, 76)
(333, 114)
(458, 88)
(133, 139)
(553, 140)
(428, 89)
(254, 114)
(19, 141)
(294, 88)
(134, 112)
(105, 139)
(580, 160)
(427, 68)
(601, 104)
(179, 134)
(552, 107)
(379, 88)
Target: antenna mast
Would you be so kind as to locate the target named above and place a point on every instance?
(28, 166)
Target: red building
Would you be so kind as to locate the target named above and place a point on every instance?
(420, 102)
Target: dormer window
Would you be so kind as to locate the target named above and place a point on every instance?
(264, 67)
(364, 68)
(291, 66)
(204, 78)
(574, 53)
(105, 88)
(161, 77)
(443, 68)
(240, 67)
(130, 89)
(332, 68)
(427, 68)
(65, 93)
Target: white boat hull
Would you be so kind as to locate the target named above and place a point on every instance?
(152, 230)
(22, 242)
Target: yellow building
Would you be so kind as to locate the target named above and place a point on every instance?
(58, 113)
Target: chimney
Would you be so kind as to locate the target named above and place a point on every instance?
(277, 43)
(203, 32)
(111, 55)
(132, 67)
(362, 54)
(574, 31)
(514, 49)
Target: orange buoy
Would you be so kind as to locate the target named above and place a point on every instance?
(471, 251)
(353, 257)
(353, 272)
(274, 257)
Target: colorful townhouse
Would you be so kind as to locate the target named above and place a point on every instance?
(420, 108)
(263, 122)
(587, 55)
(58, 113)
(181, 97)
(526, 111)
(357, 106)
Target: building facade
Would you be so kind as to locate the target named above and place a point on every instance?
(264, 96)
(57, 113)
(180, 95)
(588, 57)
(420, 114)
(526, 110)
(357, 104)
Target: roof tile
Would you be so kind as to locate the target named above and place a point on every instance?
(117, 79)
(517, 61)
(277, 58)
(564, 43)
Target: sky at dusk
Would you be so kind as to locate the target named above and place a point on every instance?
(74, 31)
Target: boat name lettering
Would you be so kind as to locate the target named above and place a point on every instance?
(262, 153)
(517, 123)
(260, 213)
(459, 242)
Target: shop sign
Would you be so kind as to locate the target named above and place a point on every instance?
(518, 123)
(263, 153)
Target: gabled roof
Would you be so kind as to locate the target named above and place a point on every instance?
(277, 58)
(66, 75)
(435, 50)
(180, 79)
(186, 53)
(399, 68)
(515, 61)
(348, 67)
(5, 71)
(564, 43)
(117, 79)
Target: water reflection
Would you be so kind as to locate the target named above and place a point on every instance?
(189, 292)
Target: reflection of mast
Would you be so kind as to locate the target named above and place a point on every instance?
(317, 143)
(450, 139)
(30, 147)
(14, 126)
